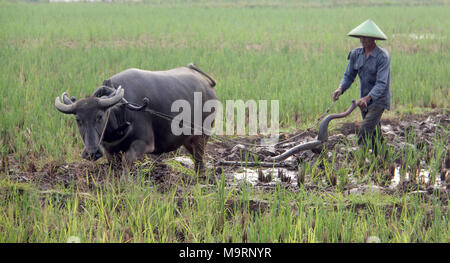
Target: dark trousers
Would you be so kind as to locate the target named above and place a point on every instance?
(370, 127)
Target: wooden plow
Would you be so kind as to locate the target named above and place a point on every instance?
(322, 137)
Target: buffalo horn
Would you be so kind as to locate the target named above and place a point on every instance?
(64, 108)
(108, 102)
(66, 99)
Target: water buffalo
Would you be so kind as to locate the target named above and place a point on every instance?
(110, 117)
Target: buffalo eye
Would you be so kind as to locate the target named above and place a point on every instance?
(99, 118)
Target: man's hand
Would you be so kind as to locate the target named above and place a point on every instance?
(337, 93)
(362, 103)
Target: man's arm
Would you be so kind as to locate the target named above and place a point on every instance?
(383, 69)
(349, 74)
(347, 79)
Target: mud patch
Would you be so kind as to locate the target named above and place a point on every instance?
(168, 170)
(341, 147)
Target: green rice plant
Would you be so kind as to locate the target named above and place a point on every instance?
(294, 53)
(342, 178)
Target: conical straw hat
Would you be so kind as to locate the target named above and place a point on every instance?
(368, 29)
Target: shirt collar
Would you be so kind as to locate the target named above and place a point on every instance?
(374, 52)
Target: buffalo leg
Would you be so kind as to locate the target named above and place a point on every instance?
(196, 146)
(137, 149)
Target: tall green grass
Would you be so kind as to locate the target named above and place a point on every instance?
(295, 55)
(291, 51)
(123, 208)
(134, 211)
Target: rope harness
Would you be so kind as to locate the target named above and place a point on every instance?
(104, 127)
(225, 140)
(231, 141)
(228, 141)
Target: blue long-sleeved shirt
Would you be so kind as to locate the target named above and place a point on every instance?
(373, 72)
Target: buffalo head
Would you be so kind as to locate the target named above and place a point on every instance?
(91, 116)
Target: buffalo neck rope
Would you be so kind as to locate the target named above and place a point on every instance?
(108, 112)
(104, 127)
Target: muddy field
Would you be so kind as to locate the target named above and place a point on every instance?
(167, 170)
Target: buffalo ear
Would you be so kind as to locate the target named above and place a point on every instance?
(103, 91)
(108, 83)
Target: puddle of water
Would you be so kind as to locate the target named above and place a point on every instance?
(252, 175)
(424, 177)
(248, 175)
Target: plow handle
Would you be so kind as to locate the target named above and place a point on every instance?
(323, 128)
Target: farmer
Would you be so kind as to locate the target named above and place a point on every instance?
(372, 64)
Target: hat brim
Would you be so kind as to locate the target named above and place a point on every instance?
(374, 37)
(368, 29)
